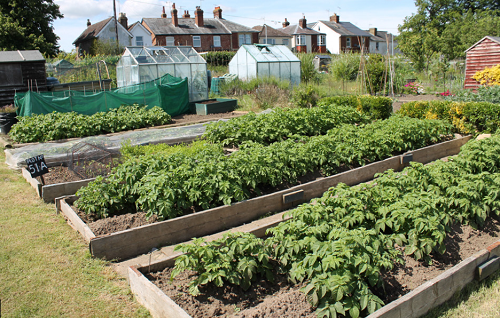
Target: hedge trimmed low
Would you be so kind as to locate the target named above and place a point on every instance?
(375, 107)
(467, 117)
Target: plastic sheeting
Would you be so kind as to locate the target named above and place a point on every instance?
(60, 152)
(168, 92)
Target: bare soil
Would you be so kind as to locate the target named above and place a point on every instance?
(193, 118)
(283, 299)
(400, 100)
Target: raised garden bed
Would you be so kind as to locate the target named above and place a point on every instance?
(132, 242)
(214, 106)
(421, 287)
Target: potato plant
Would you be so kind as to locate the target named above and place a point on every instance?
(55, 126)
(170, 185)
(282, 123)
(340, 243)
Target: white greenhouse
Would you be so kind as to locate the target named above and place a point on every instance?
(254, 61)
(143, 64)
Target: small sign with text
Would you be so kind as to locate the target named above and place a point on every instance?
(37, 166)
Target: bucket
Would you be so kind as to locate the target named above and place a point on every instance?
(7, 120)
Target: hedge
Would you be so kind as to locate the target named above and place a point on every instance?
(374, 106)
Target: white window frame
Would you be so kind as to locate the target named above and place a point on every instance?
(321, 40)
(300, 39)
(348, 42)
(244, 38)
(196, 41)
(139, 41)
(169, 41)
(285, 42)
(217, 42)
(269, 41)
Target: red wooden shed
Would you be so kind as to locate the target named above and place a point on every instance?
(485, 53)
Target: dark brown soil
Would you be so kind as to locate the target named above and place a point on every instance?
(60, 174)
(411, 98)
(283, 299)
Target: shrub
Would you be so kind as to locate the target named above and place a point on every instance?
(304, 96)
(374, 106)
(489, 76)
(219, 58)
(308, 72)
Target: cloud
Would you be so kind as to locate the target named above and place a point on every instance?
(84, 8)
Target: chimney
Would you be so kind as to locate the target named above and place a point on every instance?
(88, 23)
(186, 14)
(175, 19)
(198, 16)
(163, 14)
(286, 23)
(123, 20)
(373, 31)
(218, 13)
(303, 23)
(334, 18)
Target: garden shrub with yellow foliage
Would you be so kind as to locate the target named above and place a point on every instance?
(466, 117)
(489, 76)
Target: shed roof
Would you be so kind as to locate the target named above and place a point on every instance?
(345, 28)
(271, 32)
(270, 53)
(492, 38)
(21, 56)
(164, 26)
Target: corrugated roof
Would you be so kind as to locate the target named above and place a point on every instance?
(92, 31)
(345, 28)
(295, 29)
(164, 26)
(272, 32)
(492, 38)
(21, 56)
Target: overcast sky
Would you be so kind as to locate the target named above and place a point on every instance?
(385, 15)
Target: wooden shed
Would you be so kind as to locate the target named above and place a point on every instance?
(485, 53)
(20, 71)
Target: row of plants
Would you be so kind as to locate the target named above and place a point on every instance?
(170, 185)
(338, 245)
(55, 126)
(281, 124)
(467, 117)
(376, 107)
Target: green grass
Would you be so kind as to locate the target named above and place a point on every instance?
(45, 267)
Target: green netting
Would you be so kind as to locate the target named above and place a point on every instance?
(168, 92)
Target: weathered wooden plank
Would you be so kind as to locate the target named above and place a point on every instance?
(52, 191)
(74, 220)
(34, 182)
(151, 297)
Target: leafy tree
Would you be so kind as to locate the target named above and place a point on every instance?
(27, 25)
(446, 27)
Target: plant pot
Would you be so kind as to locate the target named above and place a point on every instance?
(7, 120)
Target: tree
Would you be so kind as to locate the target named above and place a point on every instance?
(27, 25)
(446, 27)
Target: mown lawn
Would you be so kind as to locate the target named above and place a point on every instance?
(45, 267)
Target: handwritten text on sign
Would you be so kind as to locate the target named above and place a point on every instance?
(37, 166)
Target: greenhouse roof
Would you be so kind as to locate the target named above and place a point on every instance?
(270, 53)
(164, 54)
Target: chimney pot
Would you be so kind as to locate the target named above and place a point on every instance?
(218, 12)
(88, 23)
(303, 23)
(175, 19)
(198, 17)
(186, 14)
(123, 20)
(163, 14)
(286, 23)
(335, 18)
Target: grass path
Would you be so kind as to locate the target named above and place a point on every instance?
(45, 267)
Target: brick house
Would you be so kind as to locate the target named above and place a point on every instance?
(203, 34)
(304, 38)
(269, 35)
(343, 36)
